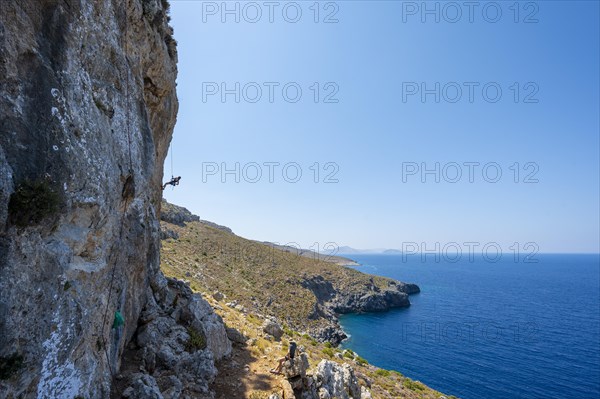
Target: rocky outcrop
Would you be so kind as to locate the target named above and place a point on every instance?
(179, 216)
(332, 301)
(329, 380)
(296, 367)
(332, 333)
(166, 233)
(375, 301)
(87, 110)
(336, 381)
(273, 328)
(176, 215)
(217, 226)
(177, 343)
(368, 299)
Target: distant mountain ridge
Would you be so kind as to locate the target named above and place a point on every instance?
(346, 250)
(308, 253)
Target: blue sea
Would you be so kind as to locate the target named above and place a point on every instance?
(489, 330)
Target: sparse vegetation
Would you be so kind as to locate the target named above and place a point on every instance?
(33, 201)
(197, 340)
(413, 385)
(269, 282)
(328, 351)
(383, 373)
(289, 332)
(361, 361)
(258, 277)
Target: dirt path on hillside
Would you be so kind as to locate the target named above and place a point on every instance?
(243, 374)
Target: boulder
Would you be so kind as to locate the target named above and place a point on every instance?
(235, 336)
(337, 381)
(143, 387)
(287, 390)
(166, 233)
(272, 327)
(218, 296)
(365, 393)
(296, 367)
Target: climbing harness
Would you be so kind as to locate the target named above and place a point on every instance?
(174, 180)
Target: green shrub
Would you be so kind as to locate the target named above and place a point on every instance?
(413, 385)
(328, 344)
(289, 331)
(31, 202)
(361, 361)
(348, 354)
(196, 342)
(328, 351)
(383, 373)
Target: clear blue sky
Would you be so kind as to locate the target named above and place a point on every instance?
(373, 54)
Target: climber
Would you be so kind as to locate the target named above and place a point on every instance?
(289, 356)
(174, 182)
(118, 324)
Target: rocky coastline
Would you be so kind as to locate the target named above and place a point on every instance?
(364, 294)
(331, 303)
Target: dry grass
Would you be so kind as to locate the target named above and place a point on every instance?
(262, 279)
(267, 281)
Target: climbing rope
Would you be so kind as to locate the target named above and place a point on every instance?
(174, 180)
(119, 321)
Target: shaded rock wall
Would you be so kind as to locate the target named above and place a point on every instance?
(175, 348)
(87, 110)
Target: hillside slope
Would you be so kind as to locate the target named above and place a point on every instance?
(303, 293)
(248, 282)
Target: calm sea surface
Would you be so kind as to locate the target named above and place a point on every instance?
(489, 330)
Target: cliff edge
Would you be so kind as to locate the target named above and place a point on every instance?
(87, 110)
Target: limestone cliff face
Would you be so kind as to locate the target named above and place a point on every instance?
(87, 109)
